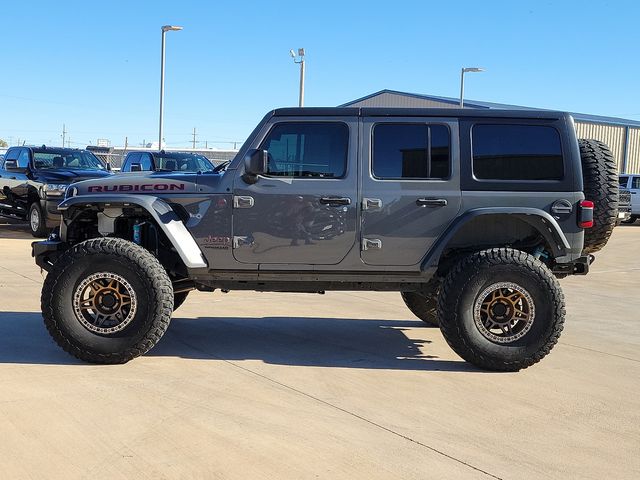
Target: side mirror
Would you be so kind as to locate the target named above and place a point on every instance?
(255, 163)
(136, 167)
(12, 166)
(108, 166)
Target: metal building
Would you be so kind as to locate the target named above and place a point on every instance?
(621, 135)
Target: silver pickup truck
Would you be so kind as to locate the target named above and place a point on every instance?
(470, 215)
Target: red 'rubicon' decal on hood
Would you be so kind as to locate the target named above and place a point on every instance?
(145, 187)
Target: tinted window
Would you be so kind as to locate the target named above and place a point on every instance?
(51, 159)
(145, 162)
(517, 152)
(411, 151)
(12, 154)
(183, 162)
(129, 159)
(307, 149)
(635, 183)
(624, 181)
(23, 158)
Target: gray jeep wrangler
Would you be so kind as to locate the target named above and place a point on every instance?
(471, 215)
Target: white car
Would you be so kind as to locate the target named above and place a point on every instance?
(632, 183)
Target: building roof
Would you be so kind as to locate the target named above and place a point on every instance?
(582, 117)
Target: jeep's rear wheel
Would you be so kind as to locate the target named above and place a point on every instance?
(107, 300)
(501, 309)
(424, 304)
(600, 178)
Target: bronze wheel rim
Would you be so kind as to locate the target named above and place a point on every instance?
(504, 312)
(105, 303)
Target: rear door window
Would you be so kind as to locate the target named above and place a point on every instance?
(635, 183)
(516, 152)
(411, 151)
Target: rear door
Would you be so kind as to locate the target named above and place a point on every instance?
(410, 187)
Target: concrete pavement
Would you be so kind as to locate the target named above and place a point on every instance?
(342, 385)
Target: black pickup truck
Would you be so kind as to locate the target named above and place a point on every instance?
(33, 181)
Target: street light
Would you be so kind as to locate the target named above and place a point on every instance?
(465, 70)
(165, 29)
(301, 62)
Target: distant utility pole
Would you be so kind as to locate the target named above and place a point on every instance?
(194, 138)
(64, 134)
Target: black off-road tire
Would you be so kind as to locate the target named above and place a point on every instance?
(147, 278)
(471, 276)
(424, 304)
(39, 230)
(601, 186)
(179, 299)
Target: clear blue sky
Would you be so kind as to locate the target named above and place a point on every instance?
(95, 66)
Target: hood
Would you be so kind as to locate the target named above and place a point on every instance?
(69, 175)
(146, 183)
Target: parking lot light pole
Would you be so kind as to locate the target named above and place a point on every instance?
(301, 62)
(465, 70)
(165, 29)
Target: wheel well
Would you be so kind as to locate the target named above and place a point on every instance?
(491, 231)
(96, 221)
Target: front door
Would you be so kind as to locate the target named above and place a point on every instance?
(304, 210)
(410, 187)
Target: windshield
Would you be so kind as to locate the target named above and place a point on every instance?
(79, 160)
(183, 163)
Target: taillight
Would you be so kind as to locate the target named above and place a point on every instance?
(585, 214)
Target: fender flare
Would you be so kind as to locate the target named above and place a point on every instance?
(160, 211)
(542, 221)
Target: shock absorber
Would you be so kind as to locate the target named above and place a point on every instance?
(137, 232)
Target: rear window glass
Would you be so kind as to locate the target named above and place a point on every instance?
(517, 152)
(411, 151)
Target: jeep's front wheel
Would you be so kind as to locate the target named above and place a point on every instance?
(107, 300)
(501, 309)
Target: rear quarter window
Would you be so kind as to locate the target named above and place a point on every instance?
(516, 152)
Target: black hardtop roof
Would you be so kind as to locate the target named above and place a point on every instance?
(413, 112)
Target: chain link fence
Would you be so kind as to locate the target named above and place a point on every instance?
(115, 158)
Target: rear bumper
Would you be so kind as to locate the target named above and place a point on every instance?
(580, 266)
(47, 252)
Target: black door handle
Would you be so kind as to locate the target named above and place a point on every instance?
(431, 202)
(335, 201)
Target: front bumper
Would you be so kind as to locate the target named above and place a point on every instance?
(52, 214)
(47, 252)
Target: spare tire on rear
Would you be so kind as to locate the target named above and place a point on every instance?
(600, 178)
